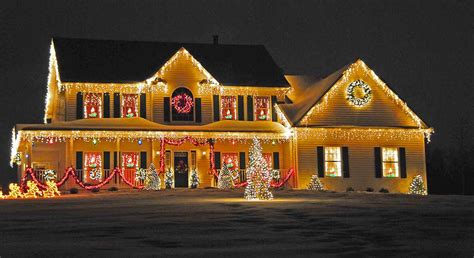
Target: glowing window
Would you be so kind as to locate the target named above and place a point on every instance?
(129, 105)
(262, 107)
(92, 162)
(390, 162)
(93, 105)
(332, 160)
(231, 161)
(228, 108)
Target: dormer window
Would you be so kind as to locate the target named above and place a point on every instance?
(228, 108)
(93, 105)
(262, 110)
(129, 105)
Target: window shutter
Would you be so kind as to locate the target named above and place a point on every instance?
(274, 113)
(378, 162)
(106, 160)
(197, 103)
(240, 107)
(320, 152)
(79, 160)
(249, 108)
(79, 106)
(116, 161)
(143, 163)
(143, 105)
(166, 109)
(345, 162)
(276, 160)
(217, 160)
(106, 105)
(403, 162)
(215, 104)
(242, 160)
(116, 105)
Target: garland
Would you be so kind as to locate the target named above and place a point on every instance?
(182, 103)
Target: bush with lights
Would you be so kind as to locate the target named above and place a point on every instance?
(194, 179)
(417, 186)
(315, 184)
(259, 175)
(169, 179)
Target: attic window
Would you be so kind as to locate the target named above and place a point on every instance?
(262, 105)
(228, 108)
(93, 105)
(129, 105)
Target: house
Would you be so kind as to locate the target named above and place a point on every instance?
(196, 107)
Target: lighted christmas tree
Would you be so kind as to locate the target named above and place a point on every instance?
(152, 180)
(417, 186)
(194, 179)
(225, 180)
(51, 189)
(169, 179)
(259, 175)
(33, 190)
(315, 184)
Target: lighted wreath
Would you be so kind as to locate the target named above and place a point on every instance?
(363, 98)
(182, 103)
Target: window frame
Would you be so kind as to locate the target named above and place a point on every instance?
(338, 161)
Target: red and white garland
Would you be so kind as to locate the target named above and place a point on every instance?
(182, 103)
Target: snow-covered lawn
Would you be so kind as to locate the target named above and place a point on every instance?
(202, 222)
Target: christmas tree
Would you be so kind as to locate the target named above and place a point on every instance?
(417, 186)
(194, 179)
(259, 175)
(225, 180)
(315, 184)
(169, 179)
(152, 180)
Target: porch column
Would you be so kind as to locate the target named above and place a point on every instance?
(162, 155)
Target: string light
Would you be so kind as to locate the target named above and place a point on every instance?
(382, 134)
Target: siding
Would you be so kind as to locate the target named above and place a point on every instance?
(361, 163)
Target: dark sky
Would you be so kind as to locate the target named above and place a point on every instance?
(421, 49)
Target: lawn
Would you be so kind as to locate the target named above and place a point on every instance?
(203, 222)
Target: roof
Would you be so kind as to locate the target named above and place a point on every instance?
(107, 61)
(307, 92)
(141, 124)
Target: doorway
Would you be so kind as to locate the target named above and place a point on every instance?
(181, 169)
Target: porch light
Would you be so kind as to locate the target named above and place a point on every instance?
(204, 153)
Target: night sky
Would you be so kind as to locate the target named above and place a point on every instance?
(421, 49)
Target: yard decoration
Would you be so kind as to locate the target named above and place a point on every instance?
(315, 184)
(417, 186)
(194, 179)
(259, 176)
(152, 180)
(169, 179)
(225, 179)
(51, 190)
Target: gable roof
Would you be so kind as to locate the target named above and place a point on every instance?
(107, 61)
(308, 92)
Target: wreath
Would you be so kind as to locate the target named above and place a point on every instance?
(182, 103)
(355, 100)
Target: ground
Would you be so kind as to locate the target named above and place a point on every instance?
(203, 222)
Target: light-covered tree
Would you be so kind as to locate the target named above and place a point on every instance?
(315, 184)
(169, 179)
(194, 179)
(152, 180)
(259, 175)
(225, 179)
(417, 186)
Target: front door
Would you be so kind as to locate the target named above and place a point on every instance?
(181, 169)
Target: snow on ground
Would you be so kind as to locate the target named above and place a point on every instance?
(203, 222)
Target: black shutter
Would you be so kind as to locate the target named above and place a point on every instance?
(143, 159)
(106, 105)
(378, 162)
(116, 161)
(166, 109)
(240, 107)
(197, 104)
(345, 162)
(403, 162)
(106, 160)
(79, 106)
(274, 113)
(276, 160)
(320, 151)
(242, 160)
(215, 104)
(116, 105)
(217, 160)
(79, 160)
(249, 108)
(143, 105)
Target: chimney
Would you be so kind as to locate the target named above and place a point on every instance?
(215, 39)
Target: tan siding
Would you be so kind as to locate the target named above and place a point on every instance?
(70, 105)
(380, 111)
(361, 163)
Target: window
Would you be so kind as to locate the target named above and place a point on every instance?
(182, 105)
(231, 161)
(129, 105)
(390, 162)
(332, 158)
(228, 108)
(93, 105)
(262, 105)
(130, 160)
(92, 166)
